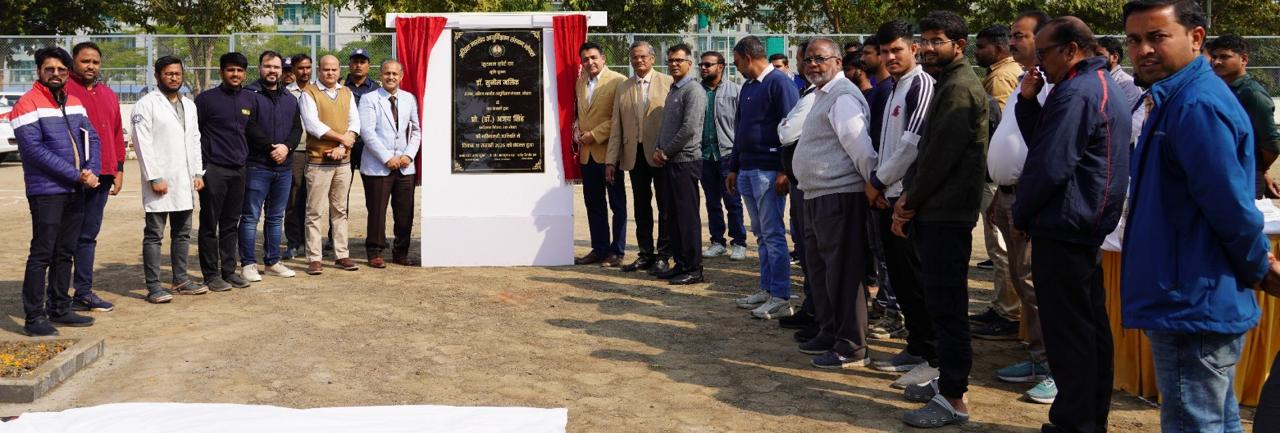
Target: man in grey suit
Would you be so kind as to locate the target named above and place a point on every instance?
(392, 136)
(679, 154)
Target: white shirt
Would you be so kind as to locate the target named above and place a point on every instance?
(311, 115)
(768, 68)
(591, 87)
(849, 116)
(1008, 151)
(791, 126)
(644, 91)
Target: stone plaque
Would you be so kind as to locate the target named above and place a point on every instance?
(497, 101)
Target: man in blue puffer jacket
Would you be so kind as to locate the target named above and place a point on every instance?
(1194, 244)
(59, 149)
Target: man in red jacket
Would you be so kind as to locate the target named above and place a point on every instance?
(103, 109)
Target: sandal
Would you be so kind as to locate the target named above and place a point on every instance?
(937, 413)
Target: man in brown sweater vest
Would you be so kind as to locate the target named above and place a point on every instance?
(330, 116)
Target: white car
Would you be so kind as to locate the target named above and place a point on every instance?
(8, 145)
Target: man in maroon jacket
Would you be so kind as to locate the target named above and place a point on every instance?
(104, 113)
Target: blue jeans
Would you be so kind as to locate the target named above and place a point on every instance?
(95, 202)
(267, 189)
(766, 207)
(713, 174)
(1194, 374)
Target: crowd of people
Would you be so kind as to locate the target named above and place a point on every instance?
(893, 149)
(884, 155)
(281, 150)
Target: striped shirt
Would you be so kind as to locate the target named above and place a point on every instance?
(904, 118)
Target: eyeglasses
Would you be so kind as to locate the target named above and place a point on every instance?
(54, 70)
(936, 42)
(708, 65)
(677, 61)
(1040, 52)
(815, 60)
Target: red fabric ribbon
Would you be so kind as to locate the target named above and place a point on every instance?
(415, 37)
(568, 32)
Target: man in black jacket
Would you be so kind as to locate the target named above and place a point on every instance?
(941, 201)
(270, 170)
(1069, 198)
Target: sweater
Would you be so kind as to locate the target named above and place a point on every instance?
(227, 126)
(680, 137)
(834, 154)
(950, 172)
(762, 103)
(103, 108)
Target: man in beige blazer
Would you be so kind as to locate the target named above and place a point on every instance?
(595, 95)
(637, 116)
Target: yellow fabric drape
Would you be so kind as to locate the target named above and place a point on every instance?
(1135, 369)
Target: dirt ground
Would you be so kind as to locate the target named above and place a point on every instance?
(623, 352)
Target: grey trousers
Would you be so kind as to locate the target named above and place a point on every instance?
(179, 243)
(835, 248)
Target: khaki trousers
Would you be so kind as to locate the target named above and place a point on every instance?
(1005, 301)
(1020, 272)
(327, 189)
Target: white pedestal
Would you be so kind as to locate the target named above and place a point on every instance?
(491, 219)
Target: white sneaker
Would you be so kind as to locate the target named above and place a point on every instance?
(738, 252)
(715, 250)
(775, 308)
(250, 273)
(280, 270)
(920, 374)
(752, 301)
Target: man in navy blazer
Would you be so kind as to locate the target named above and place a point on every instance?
(389, 126)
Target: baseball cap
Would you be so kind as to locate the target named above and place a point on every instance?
(359, 52)
(288, 63)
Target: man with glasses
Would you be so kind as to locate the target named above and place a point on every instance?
(717, 144)
(1005, 158)
(596, 90)
(831, 161)
(941, 203)
(637, 116)
(679, 154)
(59, 149)
(295, 214)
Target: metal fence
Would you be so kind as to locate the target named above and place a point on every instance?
(127, 59)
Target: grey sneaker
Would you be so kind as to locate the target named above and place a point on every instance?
(1024, 372)
(774, 309)
(937, 413)
(159, 296)
(237, 281)
(737, 252)
(189, 288)
(715, 250)
(217, 285)
(921, 392)
(920, 374)
(754, 300)
(903, 361)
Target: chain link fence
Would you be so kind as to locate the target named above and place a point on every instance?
(127, 59)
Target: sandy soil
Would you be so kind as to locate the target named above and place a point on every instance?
(622, 352)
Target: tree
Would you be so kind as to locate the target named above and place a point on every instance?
(28, 17)
(197, 17)
(375, 11)
(647, 16)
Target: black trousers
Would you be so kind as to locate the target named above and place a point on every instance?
(903, 264)
(944, 249)
(1077, 335)
(796, 212)
(607, 236)
(684, 229)
(645, 181)
(56, 221)
(295, 214)
(221, 202)
(1267, 418)
(398, 189)
(835, 239)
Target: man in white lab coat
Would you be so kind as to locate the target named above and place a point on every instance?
(167, 139)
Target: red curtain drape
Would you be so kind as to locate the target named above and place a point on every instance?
(568, 32)
(415, 37)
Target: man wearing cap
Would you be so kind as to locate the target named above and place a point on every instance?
(360, 84)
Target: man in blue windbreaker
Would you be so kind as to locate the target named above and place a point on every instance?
(1194, 245)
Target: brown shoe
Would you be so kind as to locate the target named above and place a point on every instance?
(402, 260)
(611, 261)
(314, 268)
(346, 264)
(377, 262)
(589, 259)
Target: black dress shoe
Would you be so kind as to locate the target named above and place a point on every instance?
(675, 271)
(694, 277)
(39, 328)
(641, 263)
(800, 320)
(660, 267)
(72, 319)
(589, 259)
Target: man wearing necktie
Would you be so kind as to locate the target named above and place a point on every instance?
(389, 122)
